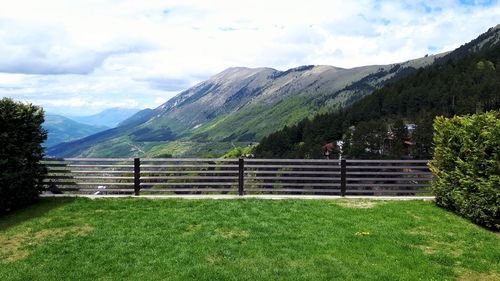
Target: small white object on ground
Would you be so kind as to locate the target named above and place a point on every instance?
(100, 187)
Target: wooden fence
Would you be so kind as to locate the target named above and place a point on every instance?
(236, 176)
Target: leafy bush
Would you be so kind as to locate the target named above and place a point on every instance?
(466, 164)
(238, 152)
(21, 136)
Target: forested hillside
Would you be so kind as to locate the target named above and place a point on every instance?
(396, 121)
(237, 106)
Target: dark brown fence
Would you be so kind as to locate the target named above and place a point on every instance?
(237, 176)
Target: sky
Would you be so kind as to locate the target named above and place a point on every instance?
(80, 57)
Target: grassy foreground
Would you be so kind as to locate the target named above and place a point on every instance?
(141, 239)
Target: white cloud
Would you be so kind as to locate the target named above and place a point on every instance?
(84, 56)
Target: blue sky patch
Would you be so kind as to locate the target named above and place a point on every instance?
(478, 2)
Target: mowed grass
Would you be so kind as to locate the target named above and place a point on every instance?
(248, 239)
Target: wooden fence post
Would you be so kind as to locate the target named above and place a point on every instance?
(241, 180)
(137, 176)
(343, 177)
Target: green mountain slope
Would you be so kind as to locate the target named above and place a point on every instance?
(61, 129)
(241, 105)
(465, 81)
(237, 106)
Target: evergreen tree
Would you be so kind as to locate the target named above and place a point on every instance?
(422, 136)
(21, 138)
(399, 136)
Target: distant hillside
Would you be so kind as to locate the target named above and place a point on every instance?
(110, 117)
(237, 106)
(61, 129)
(397, 120)
(241, 105)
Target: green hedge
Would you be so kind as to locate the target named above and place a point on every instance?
(466, 165)
(21, 136)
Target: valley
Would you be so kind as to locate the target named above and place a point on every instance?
(69, 128)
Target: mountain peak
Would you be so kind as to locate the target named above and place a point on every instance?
(238, 72)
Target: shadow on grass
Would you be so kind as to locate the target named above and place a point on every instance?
(36, 210)
(457, 214)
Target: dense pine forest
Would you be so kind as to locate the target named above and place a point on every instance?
(396, 121)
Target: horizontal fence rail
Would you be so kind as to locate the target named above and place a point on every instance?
(89, 175)
(236, 176)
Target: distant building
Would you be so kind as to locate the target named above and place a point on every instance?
(411, 127)
(327, 149)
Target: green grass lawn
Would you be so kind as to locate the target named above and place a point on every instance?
(249, 239)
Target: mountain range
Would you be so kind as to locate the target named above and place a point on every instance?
(241, 105)
(110, 117)
(64, 129)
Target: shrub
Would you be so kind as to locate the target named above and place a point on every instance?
(238, 152)
(466, 165)
(21, 136)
